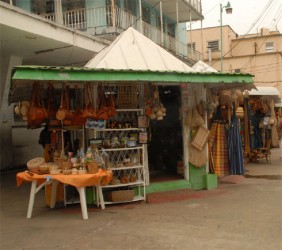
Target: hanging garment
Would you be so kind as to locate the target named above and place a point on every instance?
(219, 148)
(236, 160)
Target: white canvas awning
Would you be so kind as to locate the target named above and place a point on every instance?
(133, 51)
(266, 91)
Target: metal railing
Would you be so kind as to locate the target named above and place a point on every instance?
(106, 17)
(196, 4)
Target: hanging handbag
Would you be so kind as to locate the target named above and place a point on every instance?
(63, 112)
(37, 112)
(110, 103)
(53, 122)
(102, 112)
(78, 119)
(89, 109)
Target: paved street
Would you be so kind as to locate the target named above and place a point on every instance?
(246, 215)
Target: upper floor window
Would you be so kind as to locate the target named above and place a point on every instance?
(171, 29)
(129, 6)
(191, 46)
(269, 47)
(146, 16)
(213, 45)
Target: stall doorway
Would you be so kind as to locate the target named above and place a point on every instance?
(165, 149)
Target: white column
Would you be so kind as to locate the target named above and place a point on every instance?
(6, 114)
(59, 11)
(113, 13)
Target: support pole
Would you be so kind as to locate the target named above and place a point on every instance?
(162, 25)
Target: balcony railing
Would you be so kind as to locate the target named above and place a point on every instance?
(102, 20)
(196, 4)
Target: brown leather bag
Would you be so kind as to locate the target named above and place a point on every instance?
(37, 112)
(102, 112)
(52, 108)
(89, 110)
(78, 119)
(63, 113)
(111, 107)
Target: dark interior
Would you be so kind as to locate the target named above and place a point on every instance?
(165, 148)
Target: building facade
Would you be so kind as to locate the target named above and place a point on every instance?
(259, 54)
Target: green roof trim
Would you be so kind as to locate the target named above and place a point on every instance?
(74, 74)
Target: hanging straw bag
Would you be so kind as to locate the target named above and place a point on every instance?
(89, 110)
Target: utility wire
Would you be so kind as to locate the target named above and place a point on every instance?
(259, 16)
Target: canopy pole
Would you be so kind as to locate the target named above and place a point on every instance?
(191, 42)
(162, 25)
(141, 19)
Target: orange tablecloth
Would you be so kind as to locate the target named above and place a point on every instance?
(103, 177)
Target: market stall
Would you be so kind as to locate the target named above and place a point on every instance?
(264, 122)
(139, 101)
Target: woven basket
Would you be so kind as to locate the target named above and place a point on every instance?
(92, 167)
(121, 195)
(60, 162)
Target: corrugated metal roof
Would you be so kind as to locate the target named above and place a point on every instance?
(133, 51)
(200, 66)
(22, 78)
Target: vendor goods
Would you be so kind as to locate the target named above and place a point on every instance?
(197, 120)
(240, 112)
(102, 112)
(200, 138)
(127, 96)
(240, 97)
(92, 167)
(57, 171)
(121, 195)
(37, 112)
(89, 110)
(224, 97)
(35, 163)
(78, 119)
(64, 114)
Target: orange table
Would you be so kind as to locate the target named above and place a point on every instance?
(79, 181)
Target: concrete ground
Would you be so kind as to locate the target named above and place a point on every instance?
(245, 215)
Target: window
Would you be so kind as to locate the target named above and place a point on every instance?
(269, 47)
(237, 70)
(171, 29)
(146, 16)
(129, 6)
(191, 46)
(213, 45)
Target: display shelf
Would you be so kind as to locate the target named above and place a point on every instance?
(121, 149)
(117, 156)
(130, 110)
(135, 198)
(125, 167)
(124, 184)
(117, 129)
